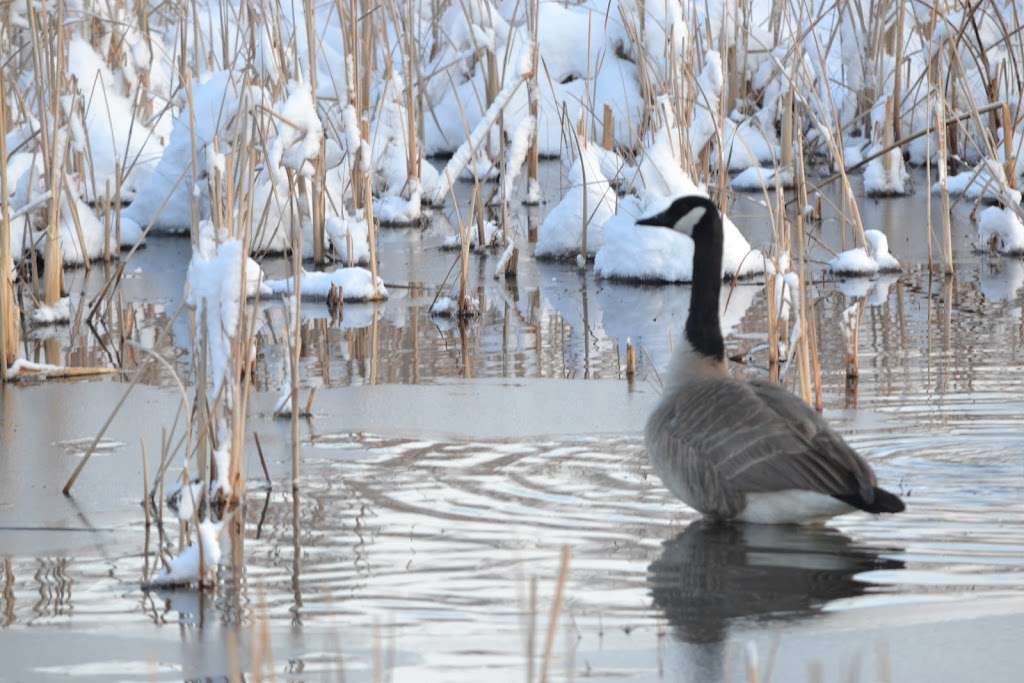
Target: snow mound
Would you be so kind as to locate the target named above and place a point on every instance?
(394, 210)
(213, 287)
(748, 144)
(878, 250)
(88, 238)
(1003, 227)
(447, 307)
(646, 253)
(882, 182)
(60, 312)
(492, 237)
(183, 569)
(986, 181)
(561, 233)
(852, 263)
(656, 254)
(356, 285)
(758, 178)
(349, 230)
(216, 101)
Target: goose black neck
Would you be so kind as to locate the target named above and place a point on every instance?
(703, 329)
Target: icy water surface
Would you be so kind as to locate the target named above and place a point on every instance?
(446, 466)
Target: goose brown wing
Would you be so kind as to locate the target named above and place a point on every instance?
(759, 437)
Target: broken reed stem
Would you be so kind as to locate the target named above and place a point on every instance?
(464, 256)
(512, 265)
(99, 435)
(853, 342)
(608, 128)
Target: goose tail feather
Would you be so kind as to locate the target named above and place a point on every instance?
(882, 501)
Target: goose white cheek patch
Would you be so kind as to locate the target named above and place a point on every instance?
(687, 221)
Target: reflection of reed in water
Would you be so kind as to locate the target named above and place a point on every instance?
(713, 574)
(54, 587)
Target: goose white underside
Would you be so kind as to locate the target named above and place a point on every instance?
(792, 506)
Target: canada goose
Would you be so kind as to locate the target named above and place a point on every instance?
(739, 450)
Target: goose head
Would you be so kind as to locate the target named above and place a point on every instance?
(699, 218)
(693, 215)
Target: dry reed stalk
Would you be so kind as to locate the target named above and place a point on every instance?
(1010, 162)
(512, 266)
(630, 361)
(849, 199)
(10, 315)
(103, 430)
(58, 372)
(887, 130)
(608, 128)
(478, 217)
(50, 143)
(898, 58)
(852, 356)
(533, 95)
(773, 327)
(490, 93)
(556, 609)
(318, 200)
(371, 230)
(943, 164)
(723, 155)
(806, 325)
(464, 303)
(413, 113)
(585, 197)
(787, 128)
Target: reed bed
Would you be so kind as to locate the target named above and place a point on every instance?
(304, 129)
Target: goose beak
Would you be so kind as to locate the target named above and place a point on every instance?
(659, 219)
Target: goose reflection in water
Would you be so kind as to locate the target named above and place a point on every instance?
(716, 575)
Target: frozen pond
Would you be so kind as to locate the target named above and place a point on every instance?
(446, 465)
